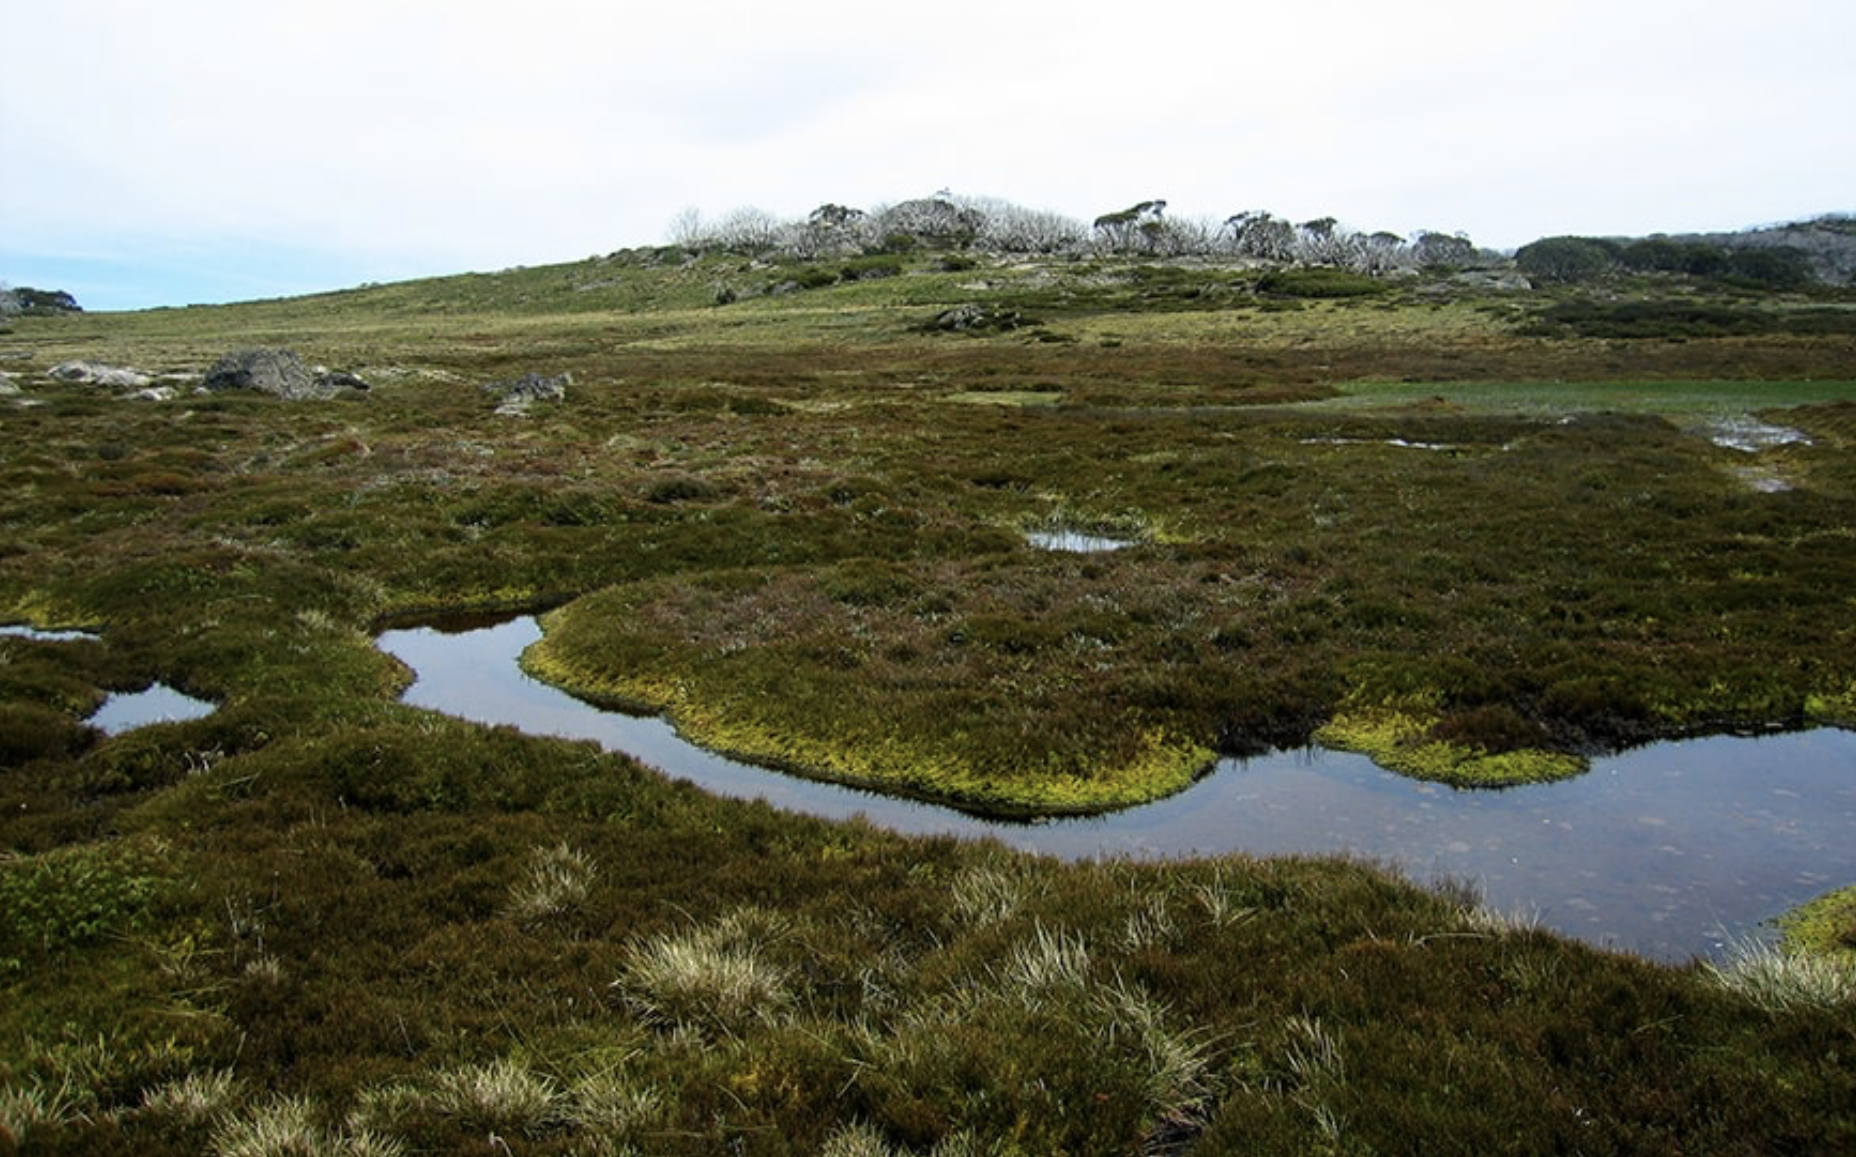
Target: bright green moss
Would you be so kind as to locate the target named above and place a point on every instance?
(1826, 925)
(1837, 709)
(1400, 741)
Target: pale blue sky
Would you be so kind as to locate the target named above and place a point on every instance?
(161, 153)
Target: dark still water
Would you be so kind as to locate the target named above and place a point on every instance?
(1669, 851)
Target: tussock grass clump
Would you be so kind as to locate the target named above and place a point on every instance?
(1787, 982)
(1126, 1070)
(988, 893)
(28, 1109)
(862, 1139)
(198, 1097)
(503, 1095)
(714, 979)
(610, 1104)
(1317, 1074)
(554, 884)
(858, 1139)
(289, 1127)
(1048, 965)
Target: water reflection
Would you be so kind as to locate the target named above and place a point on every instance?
(15, 631)
(1666, 851)
(1074, 541)
(125, 711)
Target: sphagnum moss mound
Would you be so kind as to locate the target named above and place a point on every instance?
(370, 929)
(808, 673)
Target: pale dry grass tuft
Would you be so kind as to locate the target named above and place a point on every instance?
(555, 883)
(858, 1139)
(1495, 921)
(503, 1094)
(1177, 1062)
(1215, 897)
(1049, 966)
(1319, 1072)
(1780, 981)
(713, 979)
(25, 1109)
(199, 1096)
(608, 1103)
(989, 893)
(286, 1127)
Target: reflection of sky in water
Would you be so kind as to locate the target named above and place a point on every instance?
(18, 632)
(123, 711)
(1751, 435)
(158, 704)
(1666, 850)
(1074, 542)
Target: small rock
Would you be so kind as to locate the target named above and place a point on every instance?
(335, 380)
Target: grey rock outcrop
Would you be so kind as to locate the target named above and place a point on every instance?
(972, 317)
(97, 374)
(279, 372)
(517, 395)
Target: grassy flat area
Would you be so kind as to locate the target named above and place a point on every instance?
(1479, 535)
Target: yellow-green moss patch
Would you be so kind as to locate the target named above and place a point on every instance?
(1836, 709)
(1400, 741)
(1825, 926)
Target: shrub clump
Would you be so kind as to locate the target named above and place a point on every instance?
(1321, 283)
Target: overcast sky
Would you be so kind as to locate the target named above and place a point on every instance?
(159, 152)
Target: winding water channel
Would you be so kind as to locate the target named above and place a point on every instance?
(1672, 851)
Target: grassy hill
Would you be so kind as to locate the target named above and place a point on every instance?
(1480, 533)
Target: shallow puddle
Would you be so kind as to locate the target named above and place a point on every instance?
(1073, 541)
(125, 711)
(1750, 435)
(1671, 851)
(18, 632)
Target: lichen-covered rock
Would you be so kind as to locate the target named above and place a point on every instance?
(279, 372)
(269, 371)
(97, 374)
(517, 395)
(972, 318)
